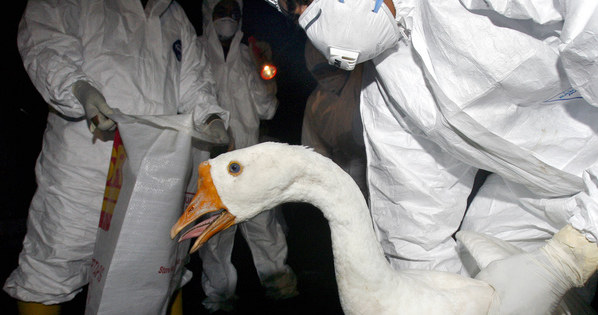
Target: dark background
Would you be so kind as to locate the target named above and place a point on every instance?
(23, 122)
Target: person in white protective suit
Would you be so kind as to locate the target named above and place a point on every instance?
(249, 99)
(331, 121)
(457, 86)
(87, 58)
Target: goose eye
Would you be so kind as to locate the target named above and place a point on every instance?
(234, 168)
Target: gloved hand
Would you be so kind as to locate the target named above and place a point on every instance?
(94, 104)
(260, 51)
(535, 282)
(214, 131)
(216, 150)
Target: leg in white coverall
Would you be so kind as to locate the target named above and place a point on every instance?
(267, 243)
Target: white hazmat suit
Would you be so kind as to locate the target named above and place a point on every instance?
(507, 86)
(469, 90)
(144, 61)
(248, 99)
(457, 86)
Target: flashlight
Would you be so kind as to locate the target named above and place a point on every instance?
(266, 68)
(268, 72)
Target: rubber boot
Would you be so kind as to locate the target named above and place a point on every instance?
(176, 307)
(32, 308)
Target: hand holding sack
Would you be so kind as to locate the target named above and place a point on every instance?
(136, 266)
(95, 106)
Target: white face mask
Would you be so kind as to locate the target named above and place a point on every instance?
(225, 28)
(349, 32)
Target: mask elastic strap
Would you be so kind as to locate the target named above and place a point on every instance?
(377, 6)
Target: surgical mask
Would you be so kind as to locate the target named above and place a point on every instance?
(349, 32)
(226, 28)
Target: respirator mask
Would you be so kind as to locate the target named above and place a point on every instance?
(349, 32)
(226, 28)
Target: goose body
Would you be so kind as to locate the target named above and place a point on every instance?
(240, 184)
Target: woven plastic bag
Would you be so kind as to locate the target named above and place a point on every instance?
(136, 267)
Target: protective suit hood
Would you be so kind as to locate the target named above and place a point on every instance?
(213, 45)
(207, 9)
(156, 7)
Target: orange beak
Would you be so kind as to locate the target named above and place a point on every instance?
(206, 204)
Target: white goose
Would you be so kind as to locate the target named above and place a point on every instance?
(240, 184)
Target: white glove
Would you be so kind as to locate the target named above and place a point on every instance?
(535, 282)
(214, 131)
(94, 104)
(263, 48)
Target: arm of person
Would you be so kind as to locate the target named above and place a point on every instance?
(262, 92)
(51, 48)
(578, 35)
(542, 13)
(197, 86)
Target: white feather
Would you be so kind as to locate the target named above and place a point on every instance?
(485, 249)
(275, 173)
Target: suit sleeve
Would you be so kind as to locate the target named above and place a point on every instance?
(51, 49)
(197, 85)
(263, 96)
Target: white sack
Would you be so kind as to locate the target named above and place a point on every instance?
(136, 266)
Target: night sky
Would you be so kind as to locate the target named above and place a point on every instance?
(24, 117)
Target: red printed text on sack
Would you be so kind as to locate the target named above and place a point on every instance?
(96, 270)
(169, 269)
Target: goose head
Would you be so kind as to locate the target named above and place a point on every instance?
(237, 186)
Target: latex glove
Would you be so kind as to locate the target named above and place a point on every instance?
(535, 282)
(271, 87)
(216, 150)
(94, 104)
(215, 131)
